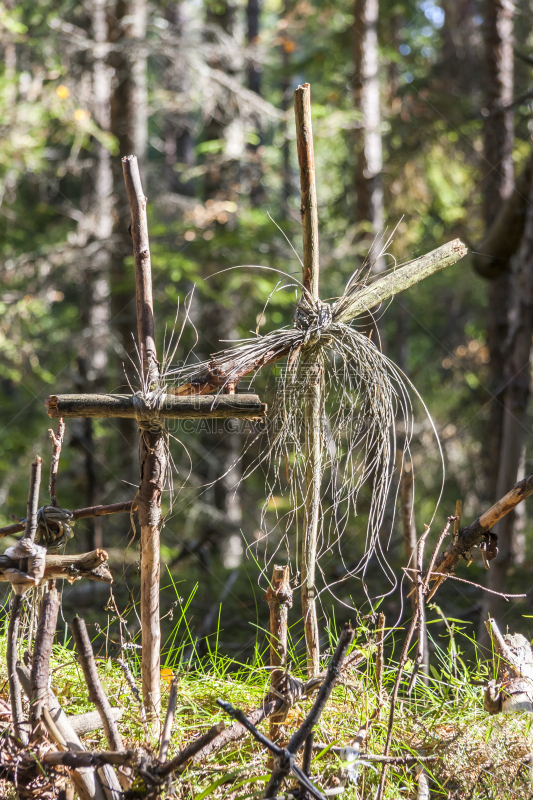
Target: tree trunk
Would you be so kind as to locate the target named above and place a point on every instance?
(127, 31)
(514, 427)
(368, 147)
(498, 184)
(220, 445)
(253, 15)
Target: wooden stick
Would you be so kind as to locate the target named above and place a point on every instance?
(398, 281)
(86, 780)
(63, 567)
(40, 669)
(33, 500)
(107, 406)
(470, 536)
(169, 719)
(314, 368)
(279, 599)
(80, 513)
(12, 658)
(57, 444)
(193, 749)
(96, 692)
(153, 457)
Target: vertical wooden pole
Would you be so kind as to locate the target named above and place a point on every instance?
(153, 459)
(313, 375)
(279, 599)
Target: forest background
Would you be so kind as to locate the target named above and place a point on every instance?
(422, 123)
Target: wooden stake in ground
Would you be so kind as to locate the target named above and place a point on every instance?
(153, 457)
(314, 374)
(279, 599)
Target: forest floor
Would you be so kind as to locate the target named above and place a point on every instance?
(477, 755)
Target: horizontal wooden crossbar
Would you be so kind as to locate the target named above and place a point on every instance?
(238, 406)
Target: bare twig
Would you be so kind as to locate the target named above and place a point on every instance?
(314, 366)
(42, 650)
(57, 443)
(380, 653)
(96, 692)
(169, 719)
(33, 500)
(189, 752)
(11, 657)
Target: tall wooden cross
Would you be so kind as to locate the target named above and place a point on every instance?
(190, 400)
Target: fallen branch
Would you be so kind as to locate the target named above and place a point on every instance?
(86, 780)
(191, 752)
(92, 679)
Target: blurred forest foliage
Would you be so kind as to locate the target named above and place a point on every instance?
(408, 119)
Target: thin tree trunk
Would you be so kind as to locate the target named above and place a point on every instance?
(368, 146)
(221, 466)
(127, 30)
(253, 17)
(497, 186)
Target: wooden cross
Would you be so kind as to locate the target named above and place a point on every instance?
(188, 401)
(153, 457)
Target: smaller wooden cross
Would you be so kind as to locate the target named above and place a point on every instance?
(149, 415)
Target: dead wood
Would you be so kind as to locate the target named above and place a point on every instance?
(279, 599)
(92, 679)
(80, 513)
(62, 567)
(169, 719)
(467, 538)
(152, 451)
(40, 669)
(284, 757)
(86, 780)
(314, 367)
(57, 444)
(513, 688)
(106, 406)
(191, 752)
(11, 658)
(33, 500)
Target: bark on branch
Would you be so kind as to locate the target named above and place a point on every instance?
(468, 537)
(105, 406)
(71, 568)
(80, 513)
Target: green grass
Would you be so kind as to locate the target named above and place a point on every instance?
(479, 756)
